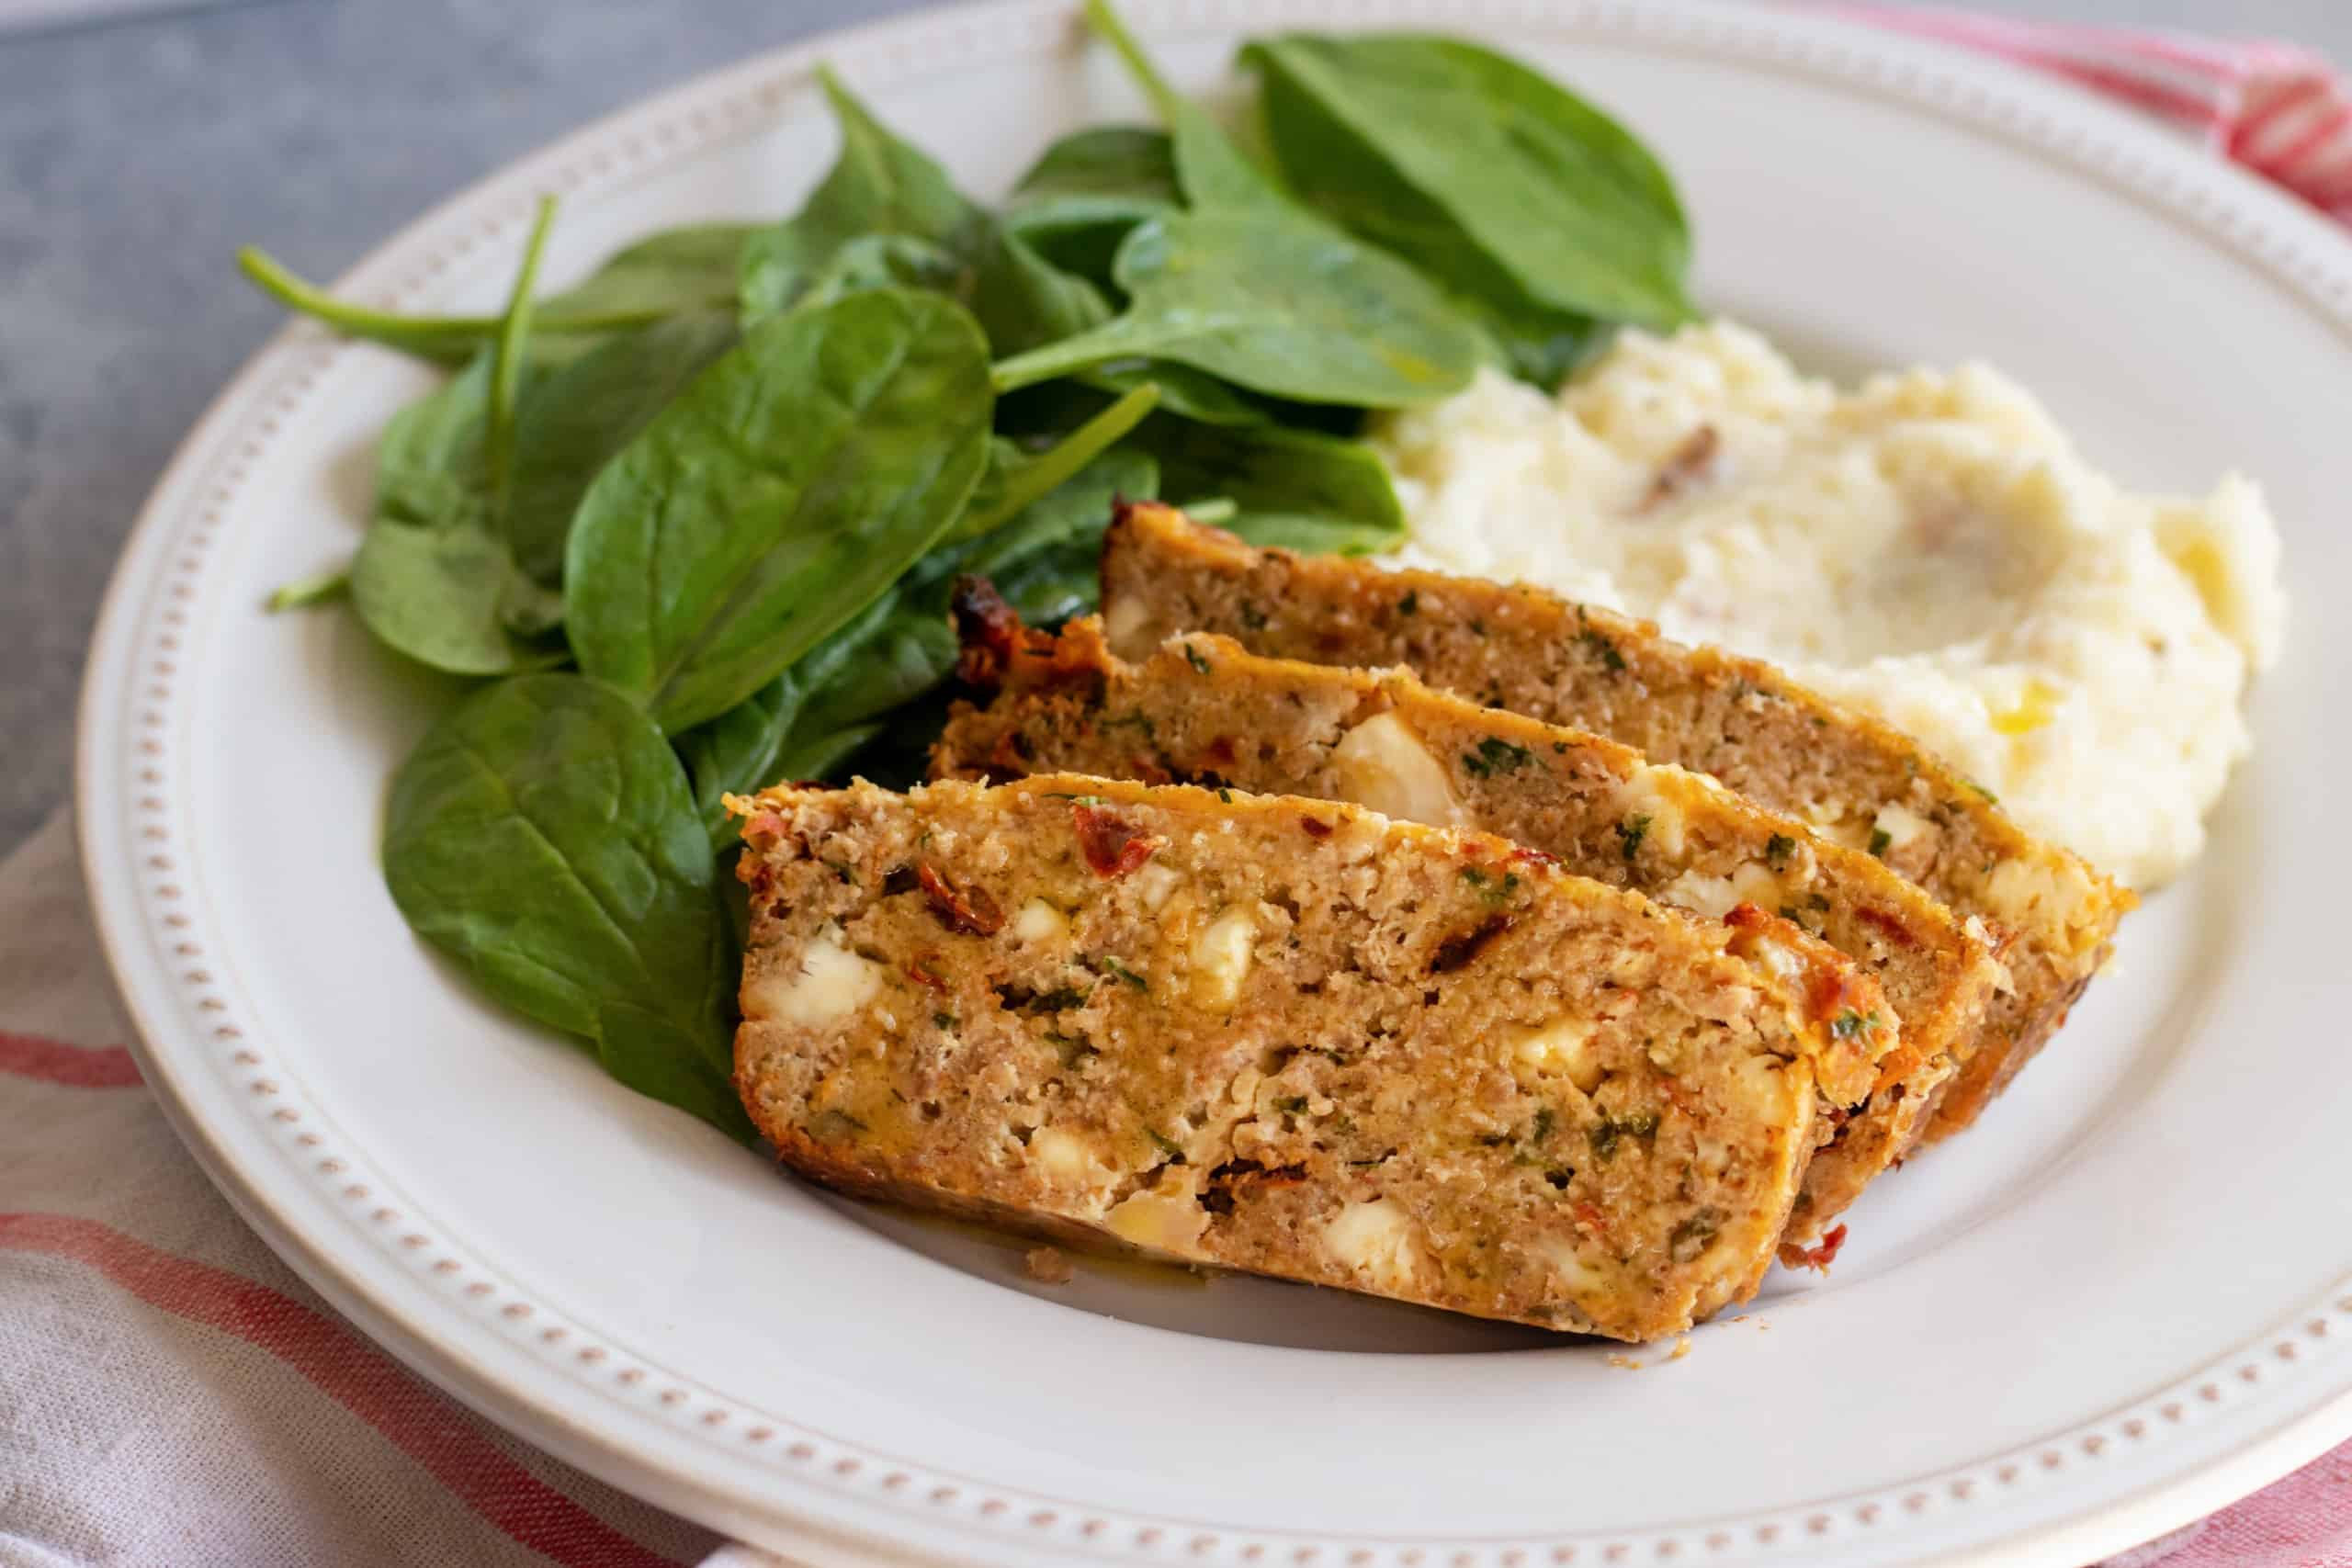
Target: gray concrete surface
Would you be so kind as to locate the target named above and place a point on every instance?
(136, 155)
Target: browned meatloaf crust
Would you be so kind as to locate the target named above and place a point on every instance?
(1229, 1032)
(1856, 779)
(1202, 710)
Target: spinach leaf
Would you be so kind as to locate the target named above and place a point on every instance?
(433, 578)
(1297, 488)
(822, 755)
(1135, 163)
(677, 270)
(429, 462)
(885, 261)
(741, 750)
(1077, 201)
(667, 274)
(1252, 288)
(1279, 305)
(1015, 479)
(449, 596)
(1076, 513)
(881, 185)
(576, 419)
(542, 835)
(1211, 172)
(791, 483)
(1500, 183)
(1196, 394)
(808, 720)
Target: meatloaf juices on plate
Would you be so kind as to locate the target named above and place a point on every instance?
(1228, 1029)
(1857, 779)
(1202, 710)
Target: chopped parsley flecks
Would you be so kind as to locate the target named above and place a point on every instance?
(1071, 1051)
(1990, 799)
(1140, 721)
(1848, 1024)
(1778, 849)
(1880, 840)
(1410, 604)
(1118, 971)
(1491, 892)
(1166, 1145)
(1693, 1236)
(1496, 755)
(945, 1020)
(1600, 646)
(1605, 1134)
(1630, 834)
(1193, 657)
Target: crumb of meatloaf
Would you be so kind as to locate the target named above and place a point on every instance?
(1203, 710)
(1048, 1266)
(1277, 1035)
(2050, 915)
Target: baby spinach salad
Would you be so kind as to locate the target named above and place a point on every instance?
(693, 524)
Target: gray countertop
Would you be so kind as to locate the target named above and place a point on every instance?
(136, 155)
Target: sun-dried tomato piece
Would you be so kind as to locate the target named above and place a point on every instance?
(1820, 1256)
(1461, 948)
(1887, 924)
(921, 974)
(1112, 845)
(960, 908)
(1746, 917)
(1534, 857)
(1316, 827)
(1837, 990)
(989, 633)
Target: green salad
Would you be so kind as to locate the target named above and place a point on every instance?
(693, 524)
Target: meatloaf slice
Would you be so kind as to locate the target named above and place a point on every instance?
(1231, 1030)
(1203, 710)
(1857, 780)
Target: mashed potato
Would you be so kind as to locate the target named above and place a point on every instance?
(1930, 547)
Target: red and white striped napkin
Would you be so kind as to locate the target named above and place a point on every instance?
(2282, 111)
(169, 1394)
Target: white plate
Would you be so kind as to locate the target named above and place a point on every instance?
(2122, 1301)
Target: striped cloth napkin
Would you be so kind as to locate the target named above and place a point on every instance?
(170, 1394)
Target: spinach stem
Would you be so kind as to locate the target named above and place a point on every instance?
(1212, 509)
(422, 333)
(1052, 468)
(305, 591)
(1107, 22)
(445, 340)
(506, 367)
